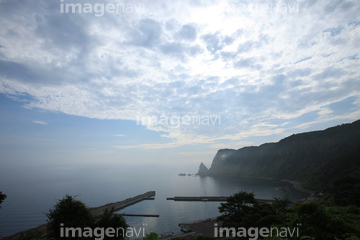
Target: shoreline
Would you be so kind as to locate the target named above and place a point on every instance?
(297, 185)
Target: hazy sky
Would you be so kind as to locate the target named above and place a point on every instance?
(75, 80)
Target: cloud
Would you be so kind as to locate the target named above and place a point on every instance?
(204, 58)
(187, 32)
(120, 135)
(147, 34)
(40, 122)
(249, 63)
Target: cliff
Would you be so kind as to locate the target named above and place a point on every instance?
(313, 158)
(217, 163)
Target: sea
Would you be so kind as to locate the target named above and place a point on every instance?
(29, 198)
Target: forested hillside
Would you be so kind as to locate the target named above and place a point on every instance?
(316, 158)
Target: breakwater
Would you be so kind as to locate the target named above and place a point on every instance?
(122, 204)
(211, 198)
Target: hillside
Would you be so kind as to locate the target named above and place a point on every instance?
(314, 158)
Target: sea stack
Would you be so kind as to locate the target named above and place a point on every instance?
(203, 170)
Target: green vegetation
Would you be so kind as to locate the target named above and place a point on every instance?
(316, 159)
(107, 220)
(74, 213)
(2, 198)
(327, 160)
(151, 236)
(315, 220)
(71, 213)
(242, 210)
(344, 191)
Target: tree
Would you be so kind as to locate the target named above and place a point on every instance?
(2, 197)
(116, 221)
(242, 210)
(316, 221)
(237, 209)
(71, 213)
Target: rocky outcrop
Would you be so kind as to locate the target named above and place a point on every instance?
(203, 170)
(217, 163)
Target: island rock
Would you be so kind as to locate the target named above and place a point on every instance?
(203, 170)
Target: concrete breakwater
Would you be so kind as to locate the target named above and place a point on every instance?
(203, 198)
(211, 198)
(122, 204)
(137, 215)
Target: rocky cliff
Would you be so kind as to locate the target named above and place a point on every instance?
(313, 158)
(203, 170)
(217, 163)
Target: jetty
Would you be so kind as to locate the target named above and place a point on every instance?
(122, 204)
(203, 199)
(137, 215)
(212, 199)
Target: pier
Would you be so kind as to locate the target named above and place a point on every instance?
(123, 204)
(137, 215)
(211, 199)
(203, 199)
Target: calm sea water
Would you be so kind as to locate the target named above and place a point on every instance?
(29, 199)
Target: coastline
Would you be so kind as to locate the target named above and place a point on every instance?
(205, 227)
(297, 185)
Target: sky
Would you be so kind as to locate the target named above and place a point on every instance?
(146, 82)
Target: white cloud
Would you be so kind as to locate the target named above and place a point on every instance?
(252, 67)
(40, 122)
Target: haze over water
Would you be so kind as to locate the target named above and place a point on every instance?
(29, 199)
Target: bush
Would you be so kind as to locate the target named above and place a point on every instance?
(2, 197)
(71, 213)
(75, 214)
(107, 219)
